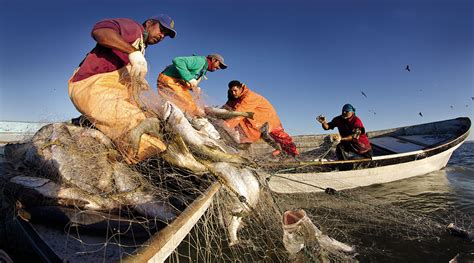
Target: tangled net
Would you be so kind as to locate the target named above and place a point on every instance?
(131, 204)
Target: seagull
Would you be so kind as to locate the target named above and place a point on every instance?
(375, 113)
(408, 68)
(363, 94)
(451, 106)
(472, 98)
(419, 113)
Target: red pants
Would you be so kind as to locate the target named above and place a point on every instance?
(285, 141)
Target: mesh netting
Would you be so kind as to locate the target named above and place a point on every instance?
(72, 186)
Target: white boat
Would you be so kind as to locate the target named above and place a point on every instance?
(399, 153)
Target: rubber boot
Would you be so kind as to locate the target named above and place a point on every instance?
(265, 135)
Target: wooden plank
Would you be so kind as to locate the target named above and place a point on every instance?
(163, 243)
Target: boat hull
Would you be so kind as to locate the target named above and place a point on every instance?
(428, 154)
(342, 180)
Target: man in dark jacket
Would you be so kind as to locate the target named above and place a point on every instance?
(352, 137)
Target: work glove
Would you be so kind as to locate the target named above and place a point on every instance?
(139, 65)
(193, 83)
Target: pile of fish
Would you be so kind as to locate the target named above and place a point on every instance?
(79, 166)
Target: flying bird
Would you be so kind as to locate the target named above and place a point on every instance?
(451, 106)
(407, 68)
(363, 94)
(472, 98)
(421, 114)
(375, 113)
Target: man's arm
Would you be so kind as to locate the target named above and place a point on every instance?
(185, 64)
(247, 104)
(321, 119)
(110, 38)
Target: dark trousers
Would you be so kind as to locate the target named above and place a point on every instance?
(345, 150)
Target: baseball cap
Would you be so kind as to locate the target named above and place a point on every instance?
(166, 22)
(220, 59)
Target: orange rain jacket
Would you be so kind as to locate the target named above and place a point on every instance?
(263, 112)
(249, 129)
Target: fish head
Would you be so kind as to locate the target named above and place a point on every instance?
(294, 234)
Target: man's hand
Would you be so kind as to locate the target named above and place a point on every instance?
(336, 138)
(139, 65)
(321, 119)
(193, 83)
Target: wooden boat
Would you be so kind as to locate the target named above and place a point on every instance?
(59, 234)
(399, 153)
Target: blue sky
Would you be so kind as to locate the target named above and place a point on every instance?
(306, 57)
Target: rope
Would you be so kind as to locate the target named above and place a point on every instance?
(304, 165)
(327, 190)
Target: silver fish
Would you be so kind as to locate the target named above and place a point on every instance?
(176, 122)
(203, 125)
(230, 135)
(53, 190)
(460, 232)
(299, 232)
(57, 153)
(79, 158)
(245, 189)
(178, 154)
(199, 143)
(224, 114)
(133, 190)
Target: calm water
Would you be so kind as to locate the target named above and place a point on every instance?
(405, 221)
(443, 196)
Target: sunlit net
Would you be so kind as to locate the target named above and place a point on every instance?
(91, 171)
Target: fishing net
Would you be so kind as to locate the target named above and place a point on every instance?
(383, 229)
(71, 185)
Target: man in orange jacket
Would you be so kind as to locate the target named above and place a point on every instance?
(265, 123)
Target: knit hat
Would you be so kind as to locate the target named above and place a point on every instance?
(348, 107)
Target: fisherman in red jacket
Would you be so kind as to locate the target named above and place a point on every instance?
(352, 137)
(265, 123)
